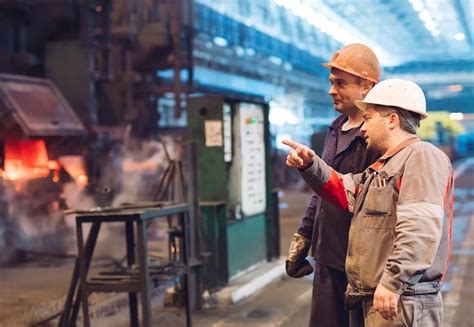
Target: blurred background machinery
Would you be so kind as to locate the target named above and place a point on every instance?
(119, 62)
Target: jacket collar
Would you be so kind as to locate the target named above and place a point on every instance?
(382, 160)
(335, 146)
(339, 122)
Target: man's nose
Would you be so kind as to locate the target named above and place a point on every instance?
(332, 90)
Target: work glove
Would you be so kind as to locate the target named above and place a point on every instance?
(297, 266)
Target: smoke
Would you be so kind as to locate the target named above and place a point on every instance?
(32, 215)
(75, 197)
(142, 165)
(32, 220)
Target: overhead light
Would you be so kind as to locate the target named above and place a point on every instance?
(275, 60)
(417, 5)
(459, 36)
(430, 26)
(455, 88)
(239, 51)
(456, 116)
(250, 52)
(316, 19)
(249, 22)
(425, 15)
(220, 41)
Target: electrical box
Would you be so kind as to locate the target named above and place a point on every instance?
(233, 169)
(246, 169)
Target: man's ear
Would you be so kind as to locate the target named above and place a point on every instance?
(393, 120)
(366, 86)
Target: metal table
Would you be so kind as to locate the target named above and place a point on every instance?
(137, 280)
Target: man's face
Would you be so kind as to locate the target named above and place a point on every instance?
(375, 129)
(345, 88)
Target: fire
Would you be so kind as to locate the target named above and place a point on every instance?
(27, 159)
(75, 167)
(83, 180)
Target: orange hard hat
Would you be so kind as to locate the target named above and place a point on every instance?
(356, 59)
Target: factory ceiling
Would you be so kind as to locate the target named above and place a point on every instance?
(400, 31)
(427, 41)
(406, 30)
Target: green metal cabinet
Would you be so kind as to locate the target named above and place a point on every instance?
(214, 227)
(239, 221)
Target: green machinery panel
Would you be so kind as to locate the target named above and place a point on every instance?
(214, 227)
(246, 243)
(211, 165)
(234, 183)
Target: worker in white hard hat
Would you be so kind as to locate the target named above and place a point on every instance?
(399, 238)
(354, 70)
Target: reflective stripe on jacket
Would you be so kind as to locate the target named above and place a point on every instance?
(400, 231)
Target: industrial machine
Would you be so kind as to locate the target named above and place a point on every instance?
(238, 216)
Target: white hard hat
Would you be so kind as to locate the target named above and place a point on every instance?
(397, 93)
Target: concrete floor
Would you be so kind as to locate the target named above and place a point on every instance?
(458, 289)
(33, 291)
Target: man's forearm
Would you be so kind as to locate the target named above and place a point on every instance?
(333, 187)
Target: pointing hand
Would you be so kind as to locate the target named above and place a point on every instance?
(300, 156)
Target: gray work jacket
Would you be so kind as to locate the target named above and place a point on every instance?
(400, 231)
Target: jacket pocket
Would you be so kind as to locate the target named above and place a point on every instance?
(378, 210)
(379, 201)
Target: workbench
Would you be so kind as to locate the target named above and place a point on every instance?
(138, 276)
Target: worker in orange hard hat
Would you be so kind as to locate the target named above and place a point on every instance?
(354, 70)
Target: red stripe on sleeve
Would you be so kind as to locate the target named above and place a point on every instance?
(333, 191)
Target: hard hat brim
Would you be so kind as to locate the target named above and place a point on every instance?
(362, 105)
(349, 71)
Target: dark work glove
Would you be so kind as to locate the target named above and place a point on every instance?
(297, 266)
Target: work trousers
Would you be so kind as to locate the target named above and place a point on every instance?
(421, 310)
(327, 304)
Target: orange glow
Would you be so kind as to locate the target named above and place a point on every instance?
(82, 180)
(455, 88)
(130, 166)
(53, 165)
(18, 187)
(25, 159)
(56, 176)
(75, 167)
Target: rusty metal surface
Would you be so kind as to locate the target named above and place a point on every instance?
(121, 208)
(37, 106)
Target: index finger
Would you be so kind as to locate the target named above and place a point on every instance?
(291, 143)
